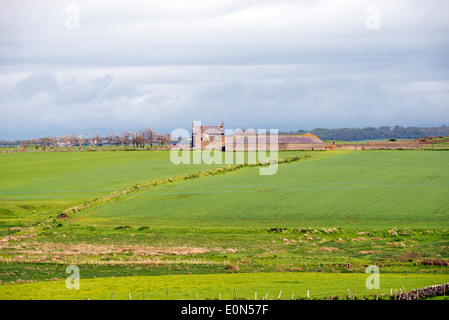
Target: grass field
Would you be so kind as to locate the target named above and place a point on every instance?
(323, 217)
(41, 184)
(207, 286)
(341, 189)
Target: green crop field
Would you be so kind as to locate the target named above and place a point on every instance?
(40, 184)
(314, 225)
(342, 189)
(246, 286)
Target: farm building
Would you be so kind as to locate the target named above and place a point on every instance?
(215, 137)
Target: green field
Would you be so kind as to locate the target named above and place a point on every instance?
(326, 216)
(247, 286)
(41, 184)
(366, 189)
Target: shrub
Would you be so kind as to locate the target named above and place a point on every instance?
(278, 230)
(122, 227)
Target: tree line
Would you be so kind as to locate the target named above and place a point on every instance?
(372, 133)
(146, 138)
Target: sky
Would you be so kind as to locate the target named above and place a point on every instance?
(74, 67)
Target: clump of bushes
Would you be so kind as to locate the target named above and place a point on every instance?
(435, 262)
(278, 230)
(122, 227)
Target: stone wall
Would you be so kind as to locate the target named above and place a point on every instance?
(302, 146)
(375, 145)
(438, 290)
(280, 147)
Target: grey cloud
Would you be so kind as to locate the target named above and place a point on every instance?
(296, 103)
(73, 91)
(117, 91)
(219, 32)
(258, 63)
(61, 92)
(36, 83)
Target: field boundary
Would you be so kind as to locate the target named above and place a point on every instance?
(439, 290)
(415, 294)
(154, 183)
(431, 291)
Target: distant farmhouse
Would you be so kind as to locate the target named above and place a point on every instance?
(216, 137)
(213, 137)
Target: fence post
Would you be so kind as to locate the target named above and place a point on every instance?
(235, 293)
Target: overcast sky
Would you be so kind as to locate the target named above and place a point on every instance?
(261, 64)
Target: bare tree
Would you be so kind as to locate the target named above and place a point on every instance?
(44, 143)
(52, 143)
(66, 139)
(139, 140)
(97, 140)
(89, 141)
(134, 140)
(77, 140)
(142, 140)
(126, 137)
(117, 141)
(167, 137)
(73, 141)
(162, 139)
(25, 144)
(149, 136)
(110, 138)
(35, 143)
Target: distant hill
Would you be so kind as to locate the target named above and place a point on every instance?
(372, 133)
